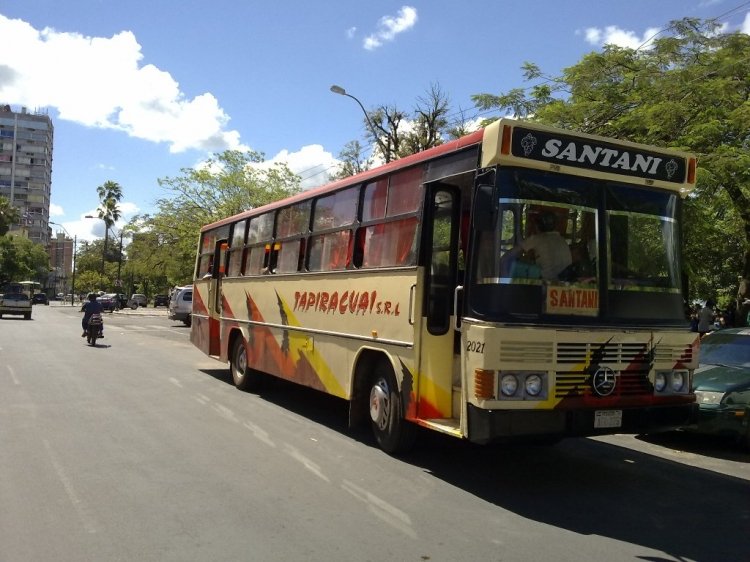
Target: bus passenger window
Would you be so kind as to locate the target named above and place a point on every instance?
(289, 256)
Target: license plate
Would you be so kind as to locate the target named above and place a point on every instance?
(607, 418)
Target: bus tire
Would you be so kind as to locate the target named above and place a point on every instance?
(393, 433)
(245, 378)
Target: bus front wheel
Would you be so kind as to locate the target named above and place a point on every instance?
(244, 377)
(392, 432)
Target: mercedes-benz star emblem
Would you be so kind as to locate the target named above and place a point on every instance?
(604, 381)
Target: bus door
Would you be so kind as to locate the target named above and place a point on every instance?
(215, 297)
(440, 231)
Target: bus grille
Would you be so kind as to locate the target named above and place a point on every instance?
(629, 383)
(672, 354)
(630, 362)
(577, 353)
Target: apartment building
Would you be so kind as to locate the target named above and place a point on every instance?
(26, 168)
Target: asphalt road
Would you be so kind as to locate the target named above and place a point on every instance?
(141, 449)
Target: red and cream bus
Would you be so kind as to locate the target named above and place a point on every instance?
(521, 282)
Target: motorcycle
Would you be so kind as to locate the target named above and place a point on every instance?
(94, 329)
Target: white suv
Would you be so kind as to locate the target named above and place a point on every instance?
(181, 304)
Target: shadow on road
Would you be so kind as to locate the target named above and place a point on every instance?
(581, 485)
(719, 447)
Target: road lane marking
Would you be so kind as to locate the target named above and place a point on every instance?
(175, 382)
(202, 398)
(307, 463)
(381, 508)
(13, 376)
(226, 413)
(259, 433)
(87, 520)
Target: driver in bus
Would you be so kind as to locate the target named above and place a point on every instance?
(551, 252)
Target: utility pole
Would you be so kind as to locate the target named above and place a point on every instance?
(73, 284)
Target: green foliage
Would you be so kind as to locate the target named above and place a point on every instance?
(689, 90)
(353, 161)
(163, 250)
(8, 215)
(22, 260)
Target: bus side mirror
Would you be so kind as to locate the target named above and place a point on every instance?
(485, 207)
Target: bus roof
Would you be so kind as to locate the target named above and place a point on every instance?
(411, 160)
(521, 143)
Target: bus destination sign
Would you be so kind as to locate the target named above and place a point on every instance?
(592, 154)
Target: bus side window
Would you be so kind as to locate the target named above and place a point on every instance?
(359, 248)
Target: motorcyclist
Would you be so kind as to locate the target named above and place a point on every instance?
(89, 308)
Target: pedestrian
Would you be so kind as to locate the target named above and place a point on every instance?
(706, 318)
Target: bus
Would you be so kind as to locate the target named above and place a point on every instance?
(415, 292)
(28, 288)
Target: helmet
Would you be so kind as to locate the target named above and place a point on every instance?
(92, 296)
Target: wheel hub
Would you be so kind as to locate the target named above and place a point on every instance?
(379, 410)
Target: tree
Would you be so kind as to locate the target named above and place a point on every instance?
(396, 133)
(21, 259)
(8, 215)
(352, 161)
(226, 184)
(690, 89)
(110, 194)
(430, 121)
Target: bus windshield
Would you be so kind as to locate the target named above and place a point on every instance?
(571, 249)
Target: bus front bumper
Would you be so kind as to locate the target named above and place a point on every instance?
(486, 426)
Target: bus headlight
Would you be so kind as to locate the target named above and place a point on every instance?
(534, 385)
(660, 381)
(508, 385)
(678, 381)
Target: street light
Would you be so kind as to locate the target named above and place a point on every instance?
(75, 253)
(342, 92)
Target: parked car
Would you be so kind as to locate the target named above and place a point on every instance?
(722, 384)
(161, 300)
(136, 300)
(16, 303)
(39, 298)
(181, 304)
(109, 302)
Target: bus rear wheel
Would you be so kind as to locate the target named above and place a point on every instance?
(392, 432)
(244, 377)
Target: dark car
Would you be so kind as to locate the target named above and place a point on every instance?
(161, 300)
(722, 384)
(39, 298)
(109, 302)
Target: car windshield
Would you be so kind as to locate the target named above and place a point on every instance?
(726, 349)
(16, 297)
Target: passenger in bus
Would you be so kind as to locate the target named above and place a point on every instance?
(550, 251)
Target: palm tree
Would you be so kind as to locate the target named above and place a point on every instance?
(8, 215)
(110, 194)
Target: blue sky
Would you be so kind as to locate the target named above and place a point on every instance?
(139, 89)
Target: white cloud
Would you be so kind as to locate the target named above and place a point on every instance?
(746, 24)
(90, 229)
(56, 210)
(312, 163)
(351, 32)
(613, 35)
(100, 82)
(390, 26)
